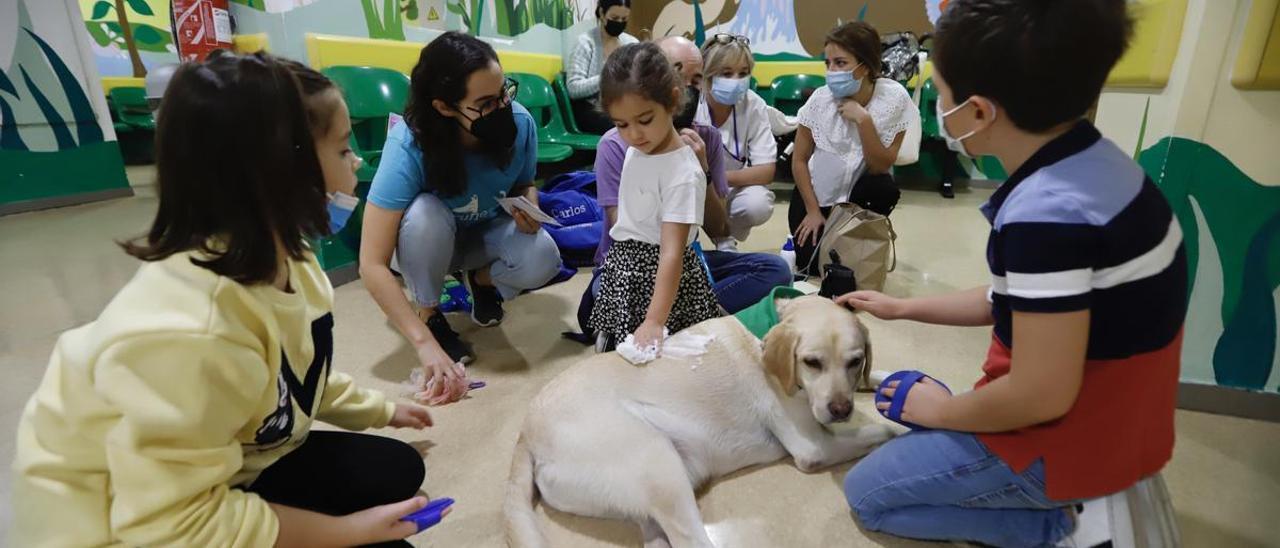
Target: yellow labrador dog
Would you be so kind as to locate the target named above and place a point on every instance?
(613, 440)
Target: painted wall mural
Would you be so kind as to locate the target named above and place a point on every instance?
(129, 35)
(1231, 226)
(55, 136)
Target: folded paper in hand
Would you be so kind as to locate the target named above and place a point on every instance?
(523, 204)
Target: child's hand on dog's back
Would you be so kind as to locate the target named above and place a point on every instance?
(410, 416)
(875, 303)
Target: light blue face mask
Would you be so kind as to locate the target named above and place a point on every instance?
(728, 91)
(341, 206)
(842, 84)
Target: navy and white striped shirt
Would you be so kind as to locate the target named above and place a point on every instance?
(1080, 226)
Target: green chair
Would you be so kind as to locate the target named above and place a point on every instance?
(765, 93)
(790, 91)
(372, 94)
(536, 94)
(131, 109)
(561, 88)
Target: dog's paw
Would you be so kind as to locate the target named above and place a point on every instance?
(878, 376)
(809, 465)
(877, 434)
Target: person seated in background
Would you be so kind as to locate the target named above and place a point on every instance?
(849, 135)
(739, 279)
(748, 145)
(586, 62)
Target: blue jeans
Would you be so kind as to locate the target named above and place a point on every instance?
(431, 245)
(946, 486)
(741, 279)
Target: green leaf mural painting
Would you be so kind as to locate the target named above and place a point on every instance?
(387, 24)
(1231, 227)
(514, 18)
(109, 24)
(51, 140)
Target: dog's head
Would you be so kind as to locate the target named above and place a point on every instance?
(822, 347)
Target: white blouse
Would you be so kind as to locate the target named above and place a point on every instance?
(838, 160)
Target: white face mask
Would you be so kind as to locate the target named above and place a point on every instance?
(955, 143)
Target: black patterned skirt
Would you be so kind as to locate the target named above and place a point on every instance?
(626, 287)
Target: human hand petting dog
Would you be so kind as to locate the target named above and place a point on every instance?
(875, 303)
(648, 333)
(924, 402)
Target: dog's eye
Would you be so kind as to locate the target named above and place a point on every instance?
(855, 363)
(814, 363)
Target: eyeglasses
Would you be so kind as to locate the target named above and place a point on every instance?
(508, 94)
(726, 39)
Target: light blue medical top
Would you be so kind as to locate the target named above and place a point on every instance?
(403, 175)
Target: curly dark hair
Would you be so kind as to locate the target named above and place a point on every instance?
(441, 73)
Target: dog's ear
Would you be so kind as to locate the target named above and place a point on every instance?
(780, 356)
(864, 379)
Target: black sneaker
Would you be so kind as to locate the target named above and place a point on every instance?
(448, 339)
(486, 303)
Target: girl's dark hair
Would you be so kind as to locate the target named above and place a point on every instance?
(441, 73)
(236, 167)
(315, 86)
(641, 69)
(603, 5)
(860, 39)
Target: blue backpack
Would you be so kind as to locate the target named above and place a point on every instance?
(570, 198)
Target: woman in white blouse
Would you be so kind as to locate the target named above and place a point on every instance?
(748, 146)
(594, 46)
(849, 135)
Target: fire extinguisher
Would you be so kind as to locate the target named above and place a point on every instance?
(200, 26)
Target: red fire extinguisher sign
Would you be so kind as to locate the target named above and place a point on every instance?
(201, 26)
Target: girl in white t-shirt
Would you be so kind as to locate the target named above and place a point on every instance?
(748, 146)
(849, 135)
(651, 277)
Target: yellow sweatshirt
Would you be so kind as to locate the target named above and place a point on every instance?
(187, 386)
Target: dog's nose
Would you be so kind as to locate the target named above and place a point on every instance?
(840, 410)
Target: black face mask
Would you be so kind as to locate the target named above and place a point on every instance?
(615, 28)
(497, 129)
(684, 118)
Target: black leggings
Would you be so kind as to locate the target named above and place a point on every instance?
(589, 118)
(877, 193)
(339, 473)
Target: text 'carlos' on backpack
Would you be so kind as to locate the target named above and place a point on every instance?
(570, 198)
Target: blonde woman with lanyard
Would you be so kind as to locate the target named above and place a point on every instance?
(747, 141)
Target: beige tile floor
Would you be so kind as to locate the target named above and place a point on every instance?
(60, 267)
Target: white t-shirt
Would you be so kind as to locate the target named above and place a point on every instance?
(746, 136)
(838, 160)
(659, 188)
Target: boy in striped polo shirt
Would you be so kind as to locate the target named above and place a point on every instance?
(1087, 297)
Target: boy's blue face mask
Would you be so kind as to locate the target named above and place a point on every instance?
(341, 206)
(842, 83)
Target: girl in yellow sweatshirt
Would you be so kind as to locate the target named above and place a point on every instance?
(182, 416)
